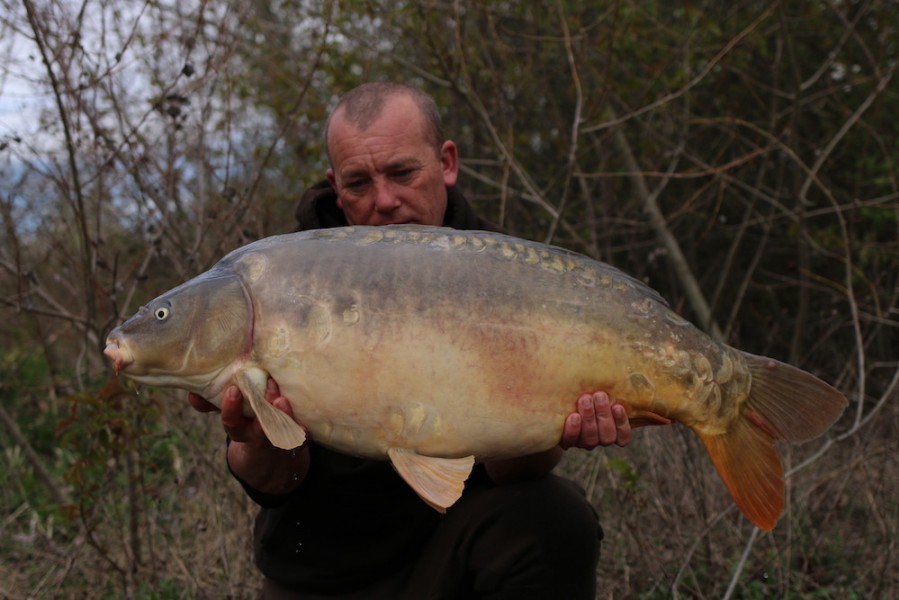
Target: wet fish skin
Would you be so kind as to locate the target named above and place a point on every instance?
(435, 348)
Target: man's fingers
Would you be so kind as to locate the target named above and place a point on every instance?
(571, 431)
(590, 433)
(239, 427)
(232, 403)
(242, 428)
(622, 425)
(272, 390)
(598, 421)
(283, 404)
(607, 431)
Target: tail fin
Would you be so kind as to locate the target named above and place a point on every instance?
(750, 467)
(794, 404)
(784, 403)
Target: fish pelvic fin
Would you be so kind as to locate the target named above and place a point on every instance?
(749, 465)
(438, 481)
(789, 403)
(282, 431)
(785, 403)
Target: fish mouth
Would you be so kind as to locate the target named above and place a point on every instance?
(119, 355)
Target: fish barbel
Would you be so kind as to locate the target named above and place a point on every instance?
(435, 348)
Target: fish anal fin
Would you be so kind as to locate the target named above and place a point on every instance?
(749, 465)
(644, 418)
(438, 481)
(280, 429)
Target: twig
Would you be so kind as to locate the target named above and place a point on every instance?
(740, 565)
(575, 124)
(87, 257)
(474, 101)
(660, 226)
(850, 289)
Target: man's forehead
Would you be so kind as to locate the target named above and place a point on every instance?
(363, 120)
(362, 116)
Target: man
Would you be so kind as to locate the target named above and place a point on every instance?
(333, 526)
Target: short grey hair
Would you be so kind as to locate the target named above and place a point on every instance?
(362, 105)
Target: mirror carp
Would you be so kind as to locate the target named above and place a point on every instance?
(435, 348)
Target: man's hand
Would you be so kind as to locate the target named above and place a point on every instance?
(239, 427)
(598, 421)
(250, 455)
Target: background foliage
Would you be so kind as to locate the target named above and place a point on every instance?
(740, 157)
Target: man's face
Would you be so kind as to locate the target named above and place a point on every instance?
(390, 173)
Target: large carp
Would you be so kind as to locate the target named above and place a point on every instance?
(435, 348)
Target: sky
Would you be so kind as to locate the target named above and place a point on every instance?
(20, 99)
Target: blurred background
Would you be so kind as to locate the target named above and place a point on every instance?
(739, 157)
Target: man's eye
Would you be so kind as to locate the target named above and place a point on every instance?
(403, 174)
(355, 184)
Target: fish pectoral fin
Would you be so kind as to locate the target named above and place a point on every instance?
(643, 418)
(280, 429)
(438, 481)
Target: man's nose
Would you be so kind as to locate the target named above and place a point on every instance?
(386, 199)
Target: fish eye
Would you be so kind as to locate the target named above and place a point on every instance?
(161, 313)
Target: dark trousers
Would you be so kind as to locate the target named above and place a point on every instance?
(529, 540)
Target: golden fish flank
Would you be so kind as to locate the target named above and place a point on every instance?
(442, 344)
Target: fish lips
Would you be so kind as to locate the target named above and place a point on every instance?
(120, 356)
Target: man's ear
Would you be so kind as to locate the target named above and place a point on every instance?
(449, 158)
